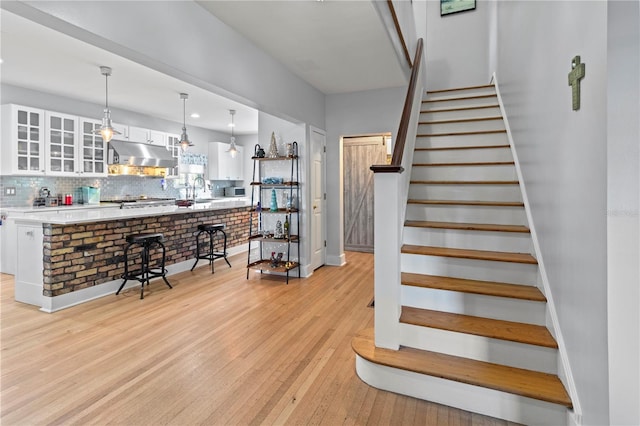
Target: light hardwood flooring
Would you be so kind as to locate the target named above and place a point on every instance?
(215, 349)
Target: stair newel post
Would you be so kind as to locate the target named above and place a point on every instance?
(388, 207)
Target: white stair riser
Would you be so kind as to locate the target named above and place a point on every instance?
(513, 354)
(474, 173)
(476, 192)
(483, 270)
(500, 308)
(459, 93)
(472, 398)
(466, 126)
(435, 114)
(464, 102)
(482, 139)
(463, 155)
(511, 242)
(467, 214)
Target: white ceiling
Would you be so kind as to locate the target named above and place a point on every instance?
(336, 46)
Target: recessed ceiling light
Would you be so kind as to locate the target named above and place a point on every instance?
(195, 115)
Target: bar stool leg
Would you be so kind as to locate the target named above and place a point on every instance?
(224, 248)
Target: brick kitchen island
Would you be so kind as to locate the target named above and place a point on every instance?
(73, 257)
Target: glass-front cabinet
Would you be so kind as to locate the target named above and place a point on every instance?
(24, 138)
(61, 143)
(93, 150)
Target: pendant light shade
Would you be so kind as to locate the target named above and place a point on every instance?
(233, 151)
(106, 130)
(185, 143)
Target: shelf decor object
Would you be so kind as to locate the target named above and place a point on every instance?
(273, 147)
(274, 230)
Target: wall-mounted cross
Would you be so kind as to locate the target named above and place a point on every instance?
(575, 75)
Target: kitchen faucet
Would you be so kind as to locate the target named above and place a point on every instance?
(204, 184)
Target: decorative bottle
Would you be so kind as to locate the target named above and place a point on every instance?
(286, 227)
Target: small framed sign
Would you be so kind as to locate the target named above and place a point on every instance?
(447, 7)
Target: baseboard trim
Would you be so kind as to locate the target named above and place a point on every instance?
(57, 303)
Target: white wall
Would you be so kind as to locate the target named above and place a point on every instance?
(181, 39)
(623, 217)
(370, 112)
(563, 159)
(457, 47)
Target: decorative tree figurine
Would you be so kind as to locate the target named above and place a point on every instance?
(274, 202)
(273, 148)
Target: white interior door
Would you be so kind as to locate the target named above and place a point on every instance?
(318, 218)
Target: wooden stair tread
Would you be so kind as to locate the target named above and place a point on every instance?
(463, 108)
(467, 203)
(479, 163)
(457, 89)
(461, 98)
(537, 335)
(464, 182)
(447, 148)
(462, 120)
(470, 133)
(486, 288)
(467, 226)
(497, 256)
(527, 383)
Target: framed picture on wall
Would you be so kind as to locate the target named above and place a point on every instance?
(447, 7)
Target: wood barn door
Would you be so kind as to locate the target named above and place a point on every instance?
(360, 153)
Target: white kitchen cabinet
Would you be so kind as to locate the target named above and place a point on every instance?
(157, 138)
(173, 146)
(61, 144)
(221, 165)
(141, 135)
(23, 135)
(92, 150)
(123, 131)
(28, 280)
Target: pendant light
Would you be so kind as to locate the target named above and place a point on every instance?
(106, 130)
(232, 148)
(185, 143)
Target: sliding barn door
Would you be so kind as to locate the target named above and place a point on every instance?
(358, 155)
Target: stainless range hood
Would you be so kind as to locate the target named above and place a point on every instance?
(139, 154)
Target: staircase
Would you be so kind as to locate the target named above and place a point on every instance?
(472, 325)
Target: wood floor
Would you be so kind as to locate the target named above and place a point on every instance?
(215, 349)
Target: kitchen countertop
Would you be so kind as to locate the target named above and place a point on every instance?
(64, 215)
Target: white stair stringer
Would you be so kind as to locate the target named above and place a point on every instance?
(477, 399)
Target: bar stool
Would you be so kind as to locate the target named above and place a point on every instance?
(146, 271)
(211, 255)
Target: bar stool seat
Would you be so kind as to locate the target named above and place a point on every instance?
(146, 270)
(211, 230)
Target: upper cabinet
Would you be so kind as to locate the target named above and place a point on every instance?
(61, 143)
(93, 150)
(141, 135)
(221, 165)
(23, 137)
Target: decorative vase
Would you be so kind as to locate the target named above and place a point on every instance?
(273, 148)
(274, 201)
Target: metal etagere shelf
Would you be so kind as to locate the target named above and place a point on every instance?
(267, 209)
